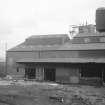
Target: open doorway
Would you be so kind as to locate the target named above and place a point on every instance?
(89, 71)
(49, 74)
(104, 76)
(91, 74)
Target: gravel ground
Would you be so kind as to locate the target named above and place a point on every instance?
(35, 93)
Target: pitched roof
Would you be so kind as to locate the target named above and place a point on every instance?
(67, 46)
(34, 48)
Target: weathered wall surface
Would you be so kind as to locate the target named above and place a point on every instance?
(92, 54)
(73, 54)
(62, 75)
(12, 57)
(58, 54)
(67, 75)
(74, 75)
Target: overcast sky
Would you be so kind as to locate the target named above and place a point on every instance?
(20, 19)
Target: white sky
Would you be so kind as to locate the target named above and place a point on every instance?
(20, 19)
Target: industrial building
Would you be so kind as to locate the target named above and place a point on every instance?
(56, 58)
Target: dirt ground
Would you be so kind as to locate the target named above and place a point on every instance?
(45, 94)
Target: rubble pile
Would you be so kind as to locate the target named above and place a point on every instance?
(74, 100)
(35, 93)
(74, 95)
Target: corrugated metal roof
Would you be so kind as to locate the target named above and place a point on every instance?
(62, 60)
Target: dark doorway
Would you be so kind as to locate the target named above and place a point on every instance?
(91, 74)
(104, 75)
(30, 73)
(91, 71)
(49, 74)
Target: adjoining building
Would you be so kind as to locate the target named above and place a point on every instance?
(57, 58)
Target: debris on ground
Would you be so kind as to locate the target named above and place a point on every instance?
(59, 99)
(44, 93)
